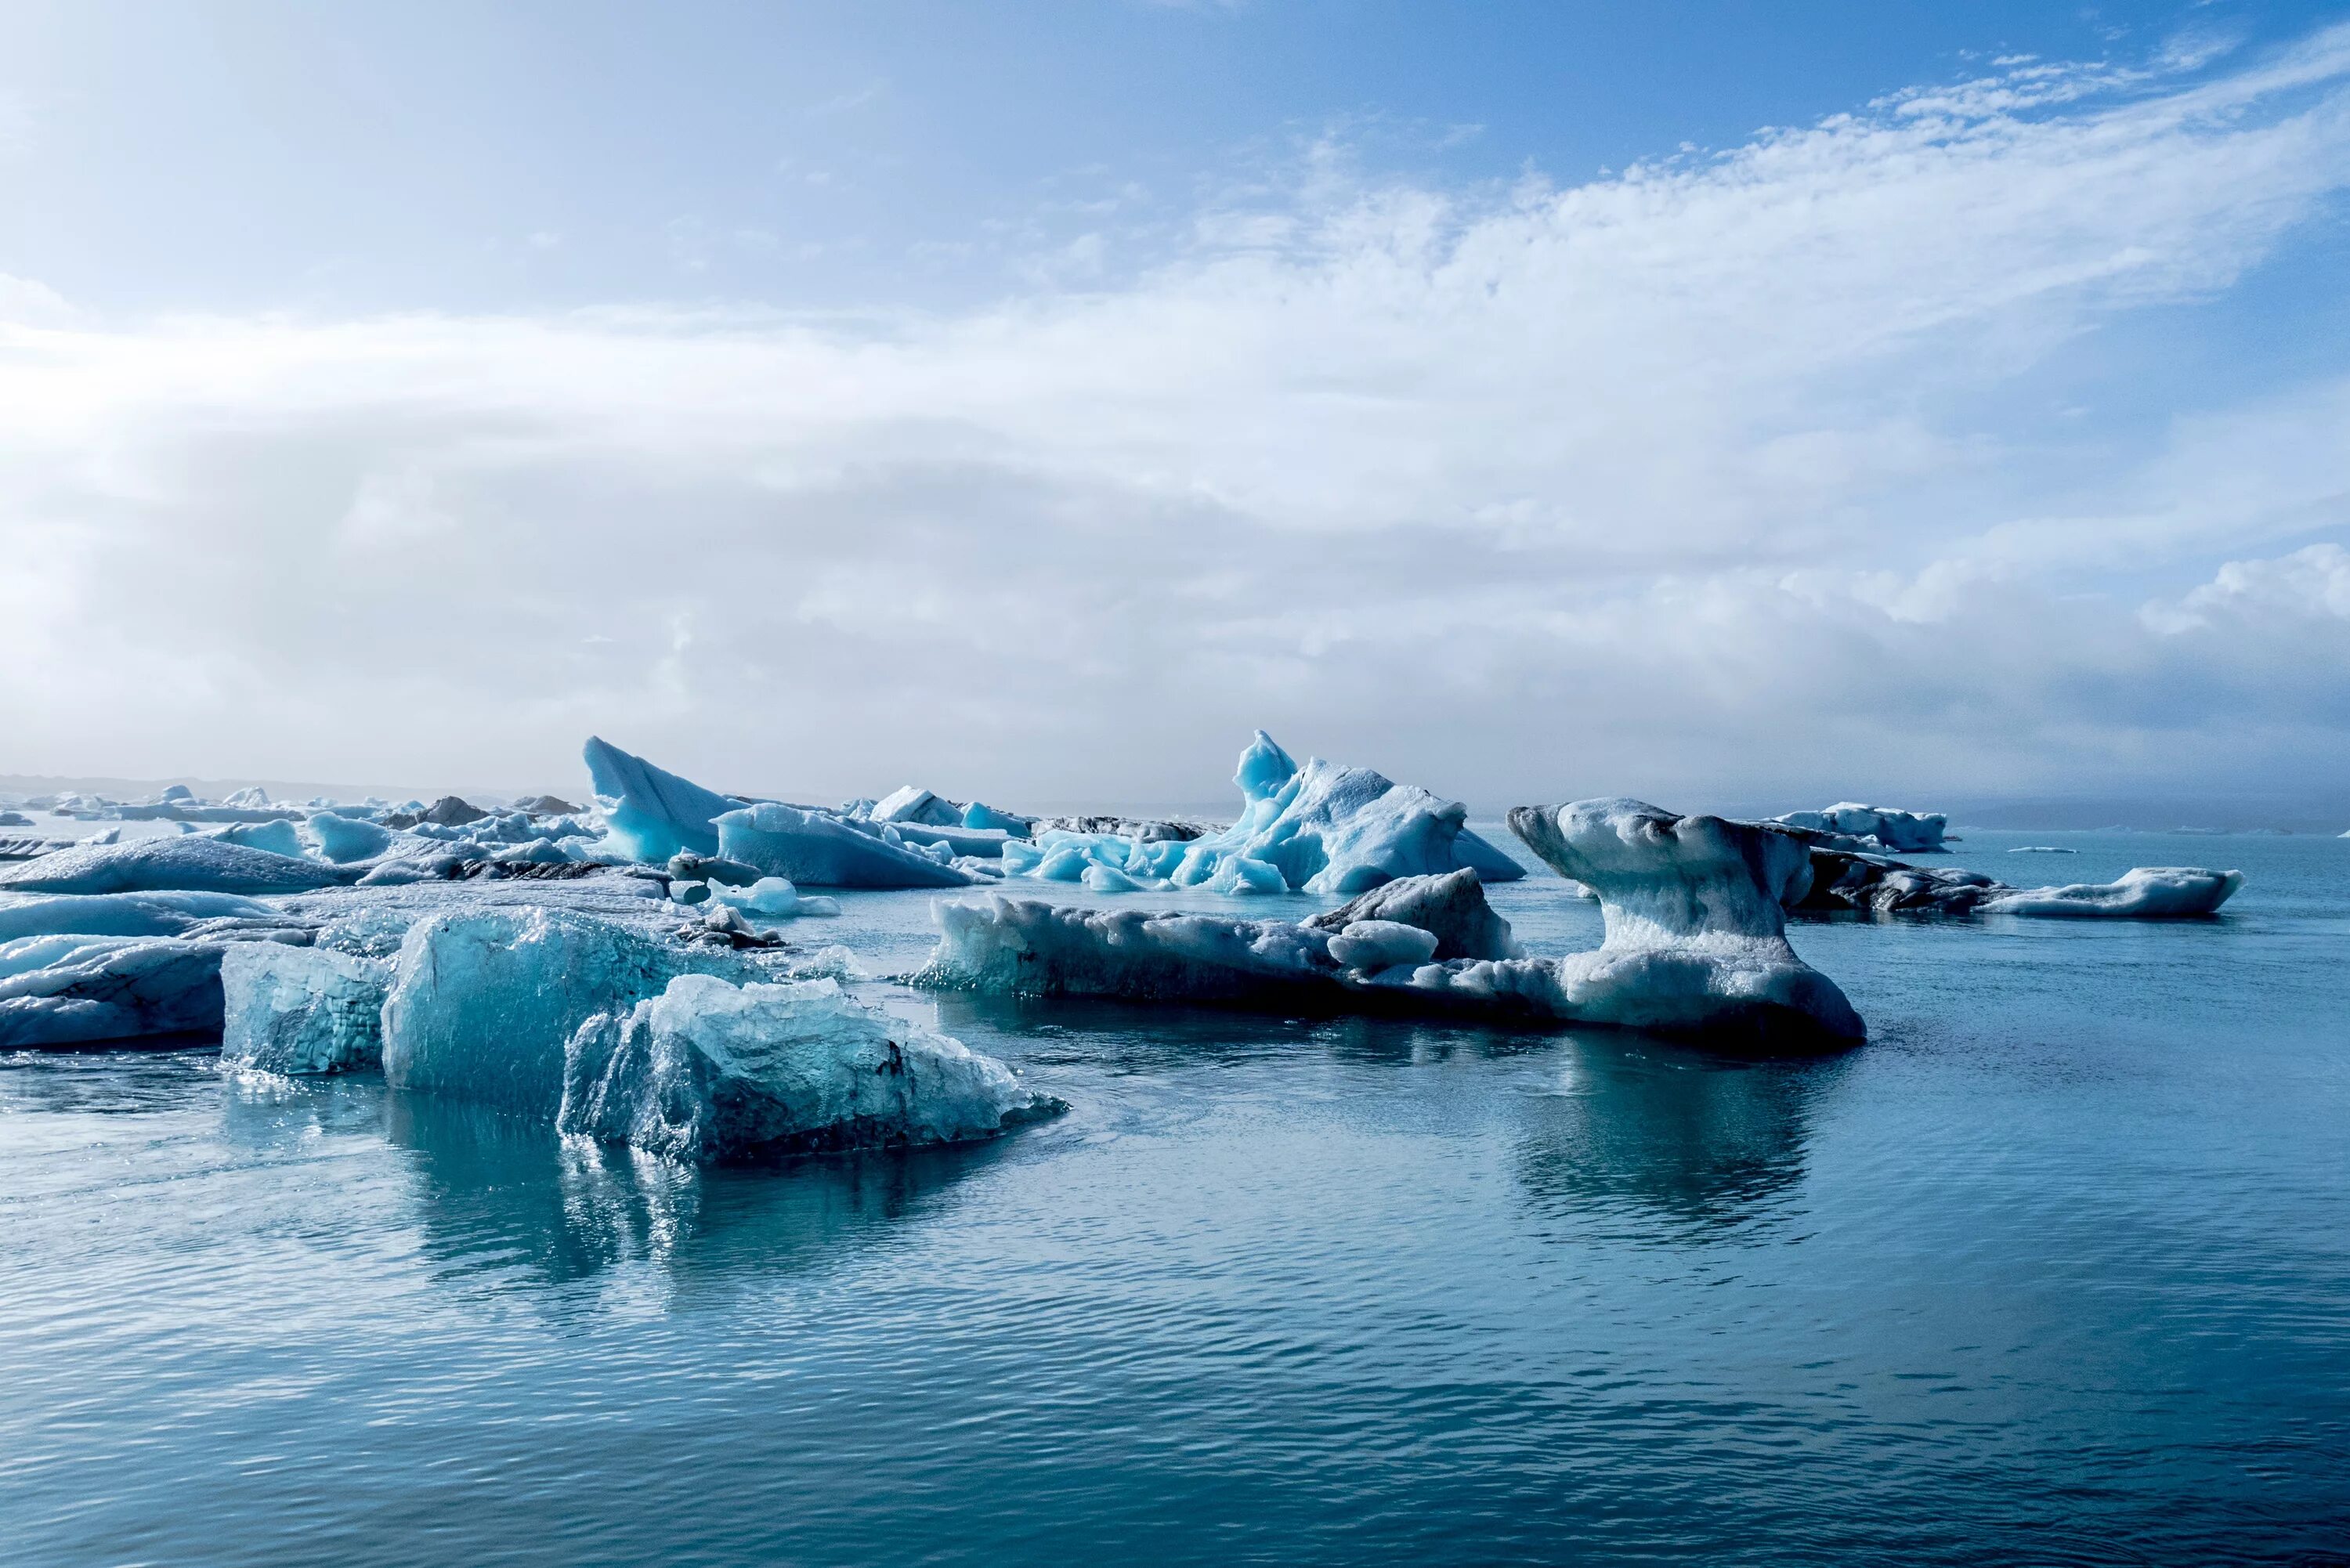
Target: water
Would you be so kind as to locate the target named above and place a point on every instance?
(2057, 1268)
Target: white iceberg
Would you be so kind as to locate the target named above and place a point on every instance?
(2144, 893)
(485, 998)
(1696, 942)
(194, 863)
(301, 1009)
(1696, 924)
(1900, 832)
(653, 814)
(912, 803)
(707, 1069)
(818, 850)
(772, 897)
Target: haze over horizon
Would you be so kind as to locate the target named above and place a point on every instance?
(1031, 407)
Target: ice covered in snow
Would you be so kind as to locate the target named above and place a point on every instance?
(1327, 829)
(653, 814)
(707, 1069)
(301, 1009)
(1696, 927)
(911, 803)
(2145, 893)
(344, 839)
(194, 863)
(487, 997)
(1897, 830)
(818, 850)
(74, 990)
(177, 793)
(249, 797)
(1380, 944)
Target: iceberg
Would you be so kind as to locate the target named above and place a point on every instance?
(1330, 829)
(1901, 832)
(485, 998)
(1696, 942)
(652, 813)
(818, 850)
(1696, 927)
(276, 836)
(301, 1009)
(771, 897)
(194, 863)
(343, 839)
(73, 989)
(911, 803)
(2144, 893)
(706, 1070)
(988, 819)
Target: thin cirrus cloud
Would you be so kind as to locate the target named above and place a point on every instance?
(1702, 479)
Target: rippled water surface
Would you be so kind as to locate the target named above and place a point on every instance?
(2057, 1268)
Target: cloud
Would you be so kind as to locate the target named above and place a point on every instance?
(1675, 482)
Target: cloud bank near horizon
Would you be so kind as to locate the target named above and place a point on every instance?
(1775, 471)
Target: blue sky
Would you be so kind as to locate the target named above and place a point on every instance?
(1707, 402)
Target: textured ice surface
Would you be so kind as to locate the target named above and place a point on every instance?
(911, 803)
(1694, 907)
(1897, 830)
(121, 914)
(653, 814)
(2145, 893)
(707, 1069)
(818, 850)
(1331, 829)
(301, 1009)
(192, 863)
(71, 990)
(1451, 907)
(487, 997)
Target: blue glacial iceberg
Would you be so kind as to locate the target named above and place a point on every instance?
(1695, 942)
(1874, 827)
(487, 997)
(278, 836)
(192, 863)
(819, 850)
(124, 914)
(653, 814)
(2144, 893)
(346, 839)
(297, 1010)
(707, 1069)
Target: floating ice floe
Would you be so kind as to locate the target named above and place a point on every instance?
(1695, 941)
(1910, 832)
(819, 850)
(486, 998)
(772, 898)
(157, 914)
(2145, 893)
(911, 803)
(1875, 884)
(301, 1009)
(707, 1069)
(192, 863)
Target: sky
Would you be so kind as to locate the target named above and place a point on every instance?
(1706, 402)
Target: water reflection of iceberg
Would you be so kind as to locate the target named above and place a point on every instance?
(1645, 1128)
(499, 1195)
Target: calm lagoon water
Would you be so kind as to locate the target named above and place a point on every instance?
(2056, 1269)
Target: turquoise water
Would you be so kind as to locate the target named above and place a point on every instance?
(2056, 1269)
